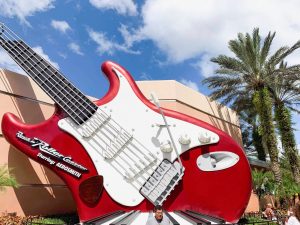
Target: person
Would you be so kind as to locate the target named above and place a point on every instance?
(290, 211)
(268, 213)
(295, 217)
(159, 218)
(288, 215)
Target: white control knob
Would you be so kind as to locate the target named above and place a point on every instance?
(204, 138)
(184, 139)
(166, 146)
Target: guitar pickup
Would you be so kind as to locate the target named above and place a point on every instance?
(117, 144)
(162, 181)
(89, 127)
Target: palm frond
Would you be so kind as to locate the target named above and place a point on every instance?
(222, 80)
(282, 53)
(266, 48)
(230, 63)
(6, 179)
(276, 57)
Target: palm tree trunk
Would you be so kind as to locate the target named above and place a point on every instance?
(263, 104)
(284, 121)
(258, 145)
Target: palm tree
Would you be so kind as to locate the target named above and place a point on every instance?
(248, 74)
(5, 179)
(251, 136)
(286, 94)
(263, 182)
(288, 188)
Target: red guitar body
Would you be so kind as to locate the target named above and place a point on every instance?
(224, 193)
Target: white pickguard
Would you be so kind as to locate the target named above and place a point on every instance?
(146, 127)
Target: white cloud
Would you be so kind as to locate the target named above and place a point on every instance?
(104, 45)
(75, 48)
(78, 6)
(130, 37)
(60, 25)
(145, 76)
(24, 8)
(39, 50)
(205, 67)
(203, 27)
(123, 7)
(63, 55)
(6, 62)
(107, 46)
(190, 84)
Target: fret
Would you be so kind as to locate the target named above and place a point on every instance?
(68, 97)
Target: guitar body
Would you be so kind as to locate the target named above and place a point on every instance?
(92, 179)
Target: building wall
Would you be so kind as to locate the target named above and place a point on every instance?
(253, 204)
(41, 191)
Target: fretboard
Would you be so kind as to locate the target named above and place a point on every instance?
(66, 95)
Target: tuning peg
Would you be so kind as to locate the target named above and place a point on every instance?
(204, 138)
(166, 146)
(184, 139)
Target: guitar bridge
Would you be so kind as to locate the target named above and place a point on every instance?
(162, 181)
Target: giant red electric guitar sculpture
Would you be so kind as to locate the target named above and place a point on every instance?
(123, 152)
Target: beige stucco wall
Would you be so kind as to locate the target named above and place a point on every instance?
(41, 191)
(253, 204)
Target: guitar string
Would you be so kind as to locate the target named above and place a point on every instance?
(117, 137)
(65, 96)
(131, 147)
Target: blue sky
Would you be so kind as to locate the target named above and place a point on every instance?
(152, 39)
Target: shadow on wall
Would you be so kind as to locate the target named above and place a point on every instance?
(33, 197)
(220, 119)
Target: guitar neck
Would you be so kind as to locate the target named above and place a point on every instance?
(63, 93)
